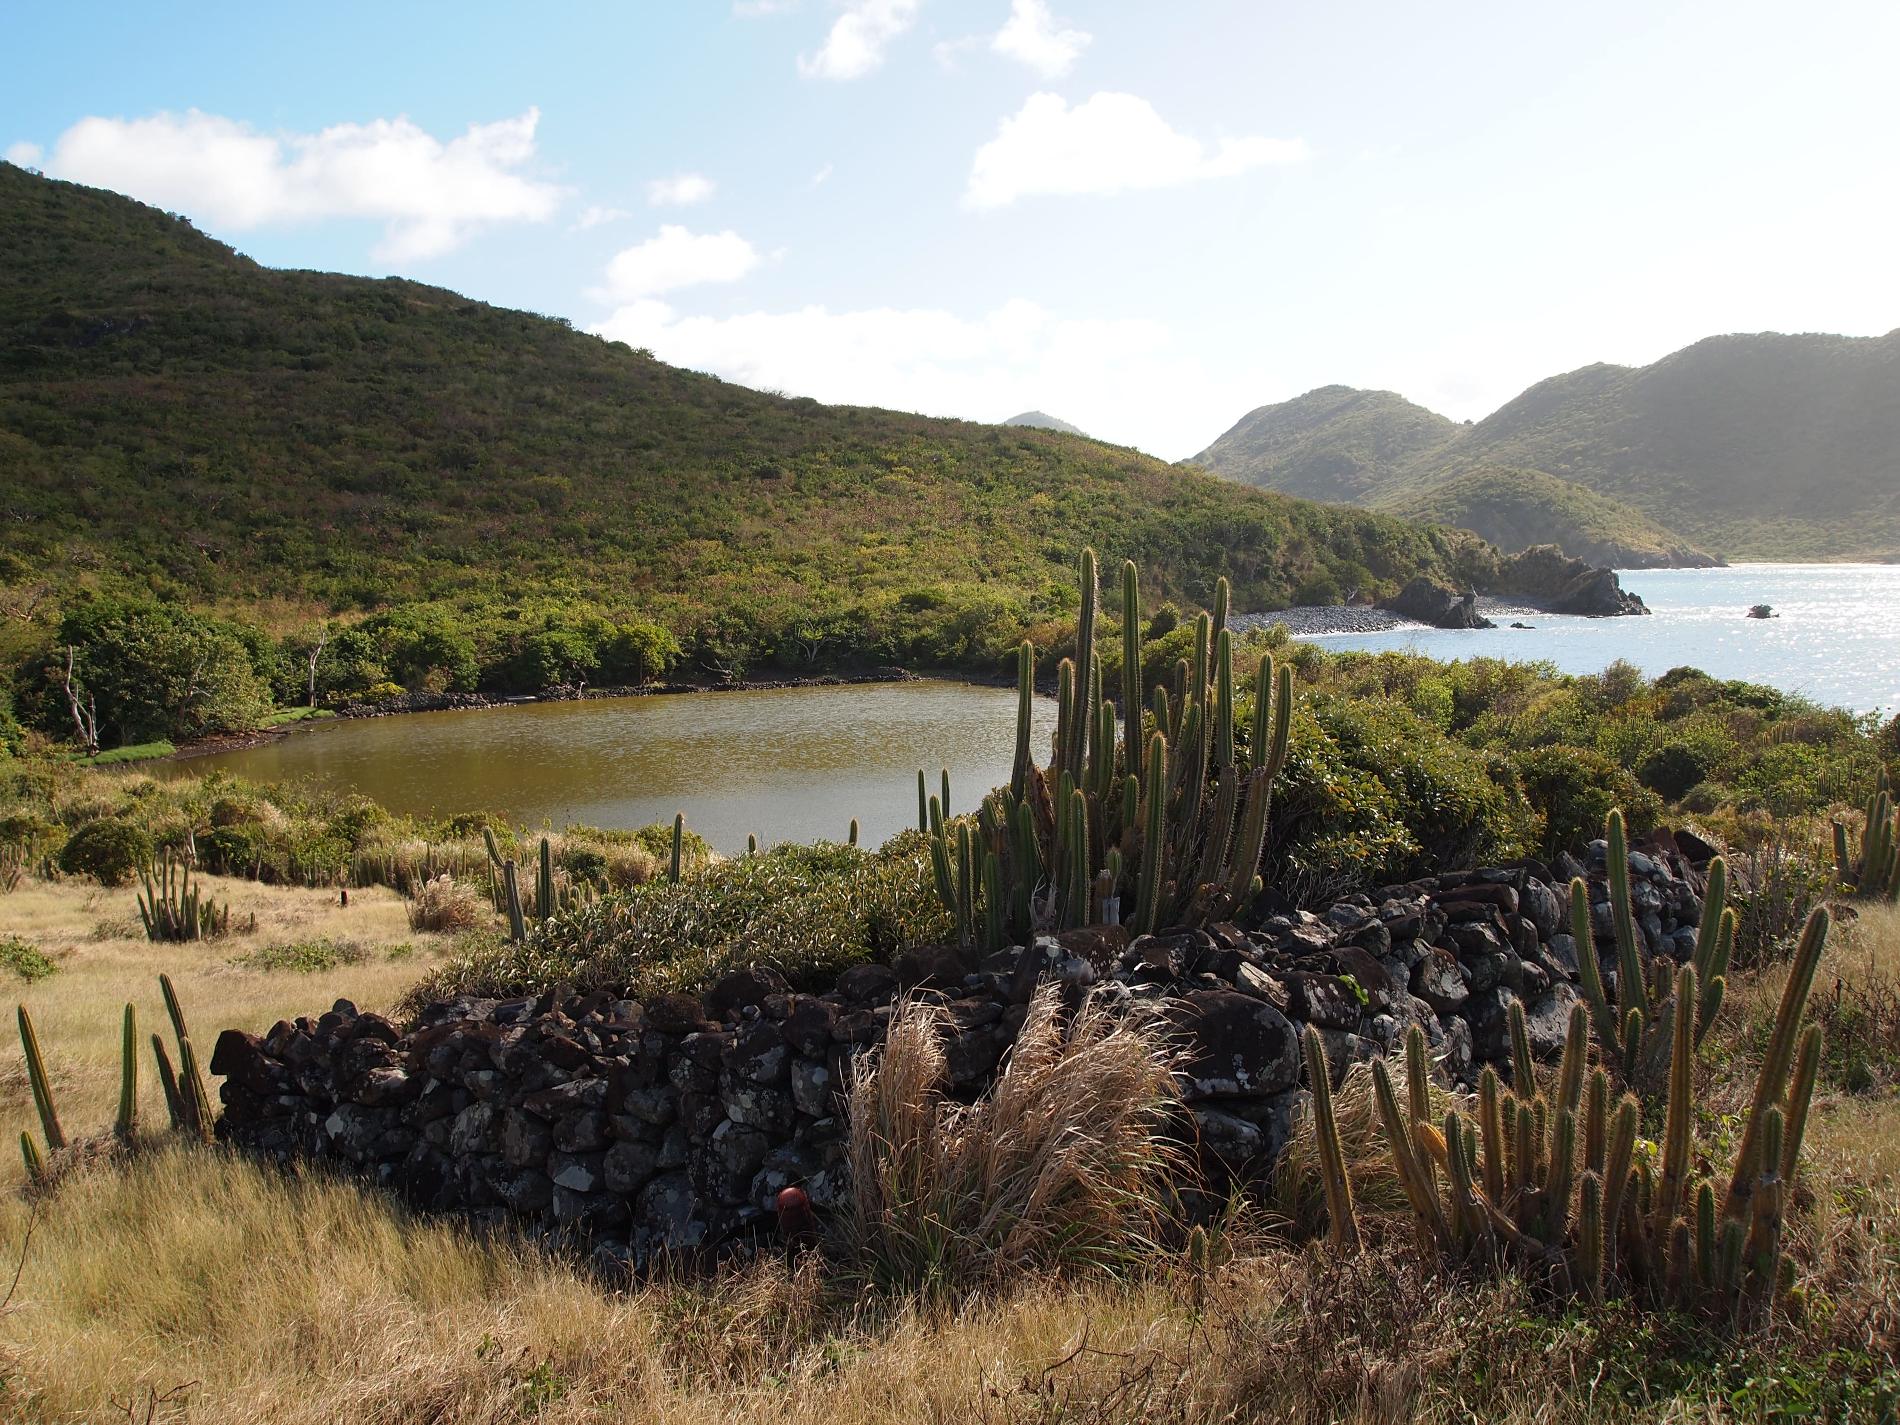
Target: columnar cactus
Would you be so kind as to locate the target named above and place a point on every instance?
(1165, 825)
(1552, 1183)
(1875, 873)
(40, 1083)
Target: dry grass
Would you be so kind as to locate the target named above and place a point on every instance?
(306, 1301)
(1060, 1164)
(249, 1295)
(447, 906)
(94, 938)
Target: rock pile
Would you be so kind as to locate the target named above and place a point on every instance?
(674, 1123)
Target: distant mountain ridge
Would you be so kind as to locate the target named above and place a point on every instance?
(1748, 446)
(1042, 420)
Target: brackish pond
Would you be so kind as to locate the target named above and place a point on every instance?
(790, 764)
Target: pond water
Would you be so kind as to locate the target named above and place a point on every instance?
(1835, 636)
(792, 764)
(797, 764)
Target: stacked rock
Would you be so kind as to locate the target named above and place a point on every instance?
(674, 1124)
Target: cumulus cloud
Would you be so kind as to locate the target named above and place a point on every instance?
(24, 154)
(855, 46)
(680, 191)
(432, 195)
(677, 258)
(1032, 36)
(1109, 143)
(1100, 373)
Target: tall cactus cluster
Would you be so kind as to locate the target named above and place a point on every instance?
(1873, 874)
(1549, 1178)
(1637, 1032)
(173, 909)
(1163, 826)
(186, 1100)
(553, 892)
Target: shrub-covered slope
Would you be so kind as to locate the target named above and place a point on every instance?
(1335, 443)
(1758, 446)
(1515, 509)
(1752, 446)
(175, 417)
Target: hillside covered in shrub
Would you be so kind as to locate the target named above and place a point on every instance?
(202, 450)
(1747, 446)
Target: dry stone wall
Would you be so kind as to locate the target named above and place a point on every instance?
(673, 1124)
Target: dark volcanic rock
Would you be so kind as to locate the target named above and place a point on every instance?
(1428, 601)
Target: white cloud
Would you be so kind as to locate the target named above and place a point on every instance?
(1102, 374)
(433, 195)
(594, 215)
(1109, 143)
(680, 191)
(1030, 36)
(23, 154)
(818, 178)
(855, 46)
(677, 258)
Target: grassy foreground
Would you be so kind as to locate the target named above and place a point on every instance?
(193, 1286)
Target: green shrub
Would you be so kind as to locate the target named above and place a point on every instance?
(1672, 769)
(109, 850)
(1572, 789)
(238, 849)
(306, 957)
(24, 960)
(807, 911)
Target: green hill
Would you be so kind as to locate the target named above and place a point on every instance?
(1751, 447)
(180, 422)
(1335, 443)
(1755, 446)
(1516, 509)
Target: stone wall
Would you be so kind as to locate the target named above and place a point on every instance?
(674, 1123)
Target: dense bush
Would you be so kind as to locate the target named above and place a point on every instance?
(1571, 791)
(805, 911)
(109, 850)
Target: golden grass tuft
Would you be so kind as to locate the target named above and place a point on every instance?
(446, 906)
(1061, 1165)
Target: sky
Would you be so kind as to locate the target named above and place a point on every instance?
(1144, 218)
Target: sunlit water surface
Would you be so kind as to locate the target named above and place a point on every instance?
(1835, 637)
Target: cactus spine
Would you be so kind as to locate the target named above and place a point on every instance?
(41, 1085)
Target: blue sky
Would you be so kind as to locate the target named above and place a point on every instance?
(1146, 218)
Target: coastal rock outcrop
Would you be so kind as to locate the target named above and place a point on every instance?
(675, 1124)
(1558, 584)
(1428, 601)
